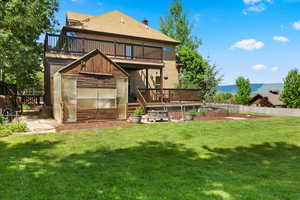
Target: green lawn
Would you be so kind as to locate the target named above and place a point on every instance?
(221, 160)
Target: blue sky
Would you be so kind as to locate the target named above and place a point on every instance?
(258, 39)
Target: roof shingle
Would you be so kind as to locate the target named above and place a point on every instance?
(116, 22)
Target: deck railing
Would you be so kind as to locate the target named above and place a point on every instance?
(68, 44)
(170, 95)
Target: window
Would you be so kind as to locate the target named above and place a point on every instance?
(157, 82)
(128, 51)
(166, 49)
(72, 34)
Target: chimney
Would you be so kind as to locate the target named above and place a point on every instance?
(145, 21)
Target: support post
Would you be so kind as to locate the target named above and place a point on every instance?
(161, 78)
(147, 78)
(161, 85)
(115, 49)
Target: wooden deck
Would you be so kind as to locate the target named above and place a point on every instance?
(168, 97)
(173, 104)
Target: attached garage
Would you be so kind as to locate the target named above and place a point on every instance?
(90, 88)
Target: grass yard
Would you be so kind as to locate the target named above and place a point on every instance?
(221, 160)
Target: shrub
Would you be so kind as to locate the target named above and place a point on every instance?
(192, 112)
(26, 107)
(224, 97)
(2, 119)
(7, 129)
(5, 132)
(202, 112)
(17, 127)
(138, 111)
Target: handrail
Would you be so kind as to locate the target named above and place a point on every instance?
(164, 95)
(141, 99)
(191, 89)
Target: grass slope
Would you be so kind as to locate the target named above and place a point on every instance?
(221, 160)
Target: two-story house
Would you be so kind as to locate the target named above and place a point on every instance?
(99, 64)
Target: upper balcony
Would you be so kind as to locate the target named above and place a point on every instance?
(128, 52)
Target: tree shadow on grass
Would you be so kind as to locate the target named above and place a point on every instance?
(152, 170)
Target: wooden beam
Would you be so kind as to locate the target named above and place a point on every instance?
(147, 78)
(161, 78)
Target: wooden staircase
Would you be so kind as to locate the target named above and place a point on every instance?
(132, 107)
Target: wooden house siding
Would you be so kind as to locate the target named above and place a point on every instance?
(90, 81)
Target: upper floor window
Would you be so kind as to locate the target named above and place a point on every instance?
(128, 51)
(72, 34)
(166, 49)
(157, 82)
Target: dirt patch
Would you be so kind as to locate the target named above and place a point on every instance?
(92, 125)
(218, 115)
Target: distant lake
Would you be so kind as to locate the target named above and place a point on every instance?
(256, 87)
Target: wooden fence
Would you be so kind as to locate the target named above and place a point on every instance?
(32, 100)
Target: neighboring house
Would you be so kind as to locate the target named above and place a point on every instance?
(96, 65)
(269, 99)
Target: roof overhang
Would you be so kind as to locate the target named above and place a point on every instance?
(72, 29)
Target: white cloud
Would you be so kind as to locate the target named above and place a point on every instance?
(255, 6)
(275, 68)
(281, 38)
(248, 45)
(251, 1)
(296, 25)
(259, 67)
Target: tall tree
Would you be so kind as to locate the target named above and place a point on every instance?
(21, 24)
(197, 72)
(243, 91)
(291, 90)
(177, 26)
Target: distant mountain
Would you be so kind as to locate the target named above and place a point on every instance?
(256, 87)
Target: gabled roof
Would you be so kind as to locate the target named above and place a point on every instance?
(116, 22)
(272, 98)
(88, 56)
(77, 16)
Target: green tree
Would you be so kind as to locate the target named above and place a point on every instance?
(243, 91)
(177, 26)
(197, 72)
(291, 90)
(224, 97)
(21, 24)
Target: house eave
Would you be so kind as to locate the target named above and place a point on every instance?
(72, 29)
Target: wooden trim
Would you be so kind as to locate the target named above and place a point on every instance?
(100, 74)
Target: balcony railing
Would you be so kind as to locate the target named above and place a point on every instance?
(68, 44)
(167, 95)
